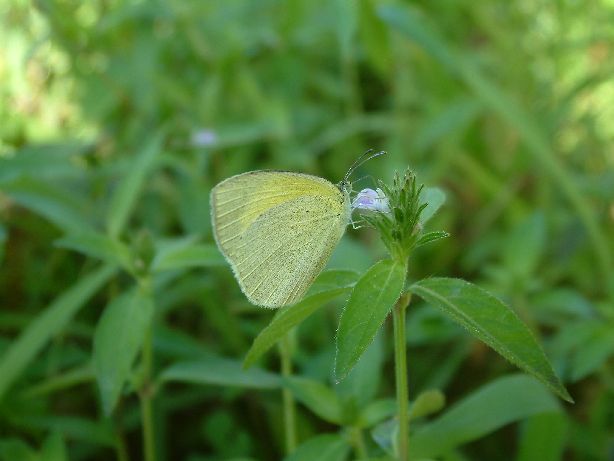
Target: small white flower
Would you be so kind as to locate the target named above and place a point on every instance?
(204, 138)
(371, 200)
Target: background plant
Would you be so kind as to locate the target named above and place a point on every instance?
(118, 117)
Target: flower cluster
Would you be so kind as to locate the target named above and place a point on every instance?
(395, 212)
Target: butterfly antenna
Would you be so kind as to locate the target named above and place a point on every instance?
(367, 176)
(368, 155)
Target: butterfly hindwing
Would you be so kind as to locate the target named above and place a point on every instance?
(277, 230)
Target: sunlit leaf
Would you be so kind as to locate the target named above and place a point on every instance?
(491, 321)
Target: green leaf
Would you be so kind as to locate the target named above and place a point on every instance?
(326, 447)
(286, 319)
(372, 298)
(427, 403)
(377, 411)
(593, 351)
(316, 396)
(14, 449)
(54, 448)
(3, 238)
(49, 323)
(97, 245)
(434, 199)
(183, 256)
(374, 37)
(361, 384)
(42, 161)
(332, 279)
(431, 237)
(501, 402)
(544, 437)
(99, 432)
(125, 196)
(491, 321)
(117, 341)
(61, 381)
(64, 210)
(347, 26)
(524, 246)
(220, 372)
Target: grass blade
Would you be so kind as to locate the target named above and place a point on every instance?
(127, 192)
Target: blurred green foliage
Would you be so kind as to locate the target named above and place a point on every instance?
(118, 116)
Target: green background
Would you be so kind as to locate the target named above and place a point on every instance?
(117, 117)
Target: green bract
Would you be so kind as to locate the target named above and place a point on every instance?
(411, 206)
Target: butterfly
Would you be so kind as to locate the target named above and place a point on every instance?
(278, 229)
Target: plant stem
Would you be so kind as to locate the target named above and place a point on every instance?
(149, 446)
(359, 443)
(288, 399)
(400, 366)
(120, 447)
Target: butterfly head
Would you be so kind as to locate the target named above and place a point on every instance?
(346, 185)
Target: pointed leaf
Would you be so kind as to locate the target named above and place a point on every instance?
(491, 321)
(117, 341)
(431, 237)
(370, 302)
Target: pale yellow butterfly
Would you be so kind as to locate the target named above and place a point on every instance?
(277, 229)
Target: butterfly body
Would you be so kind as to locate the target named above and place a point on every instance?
(277, 230)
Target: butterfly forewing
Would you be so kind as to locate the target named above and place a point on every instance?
(277, 230)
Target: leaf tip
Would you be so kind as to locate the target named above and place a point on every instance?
(247, 362)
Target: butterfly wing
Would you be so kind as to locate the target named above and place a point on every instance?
(277, 230)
